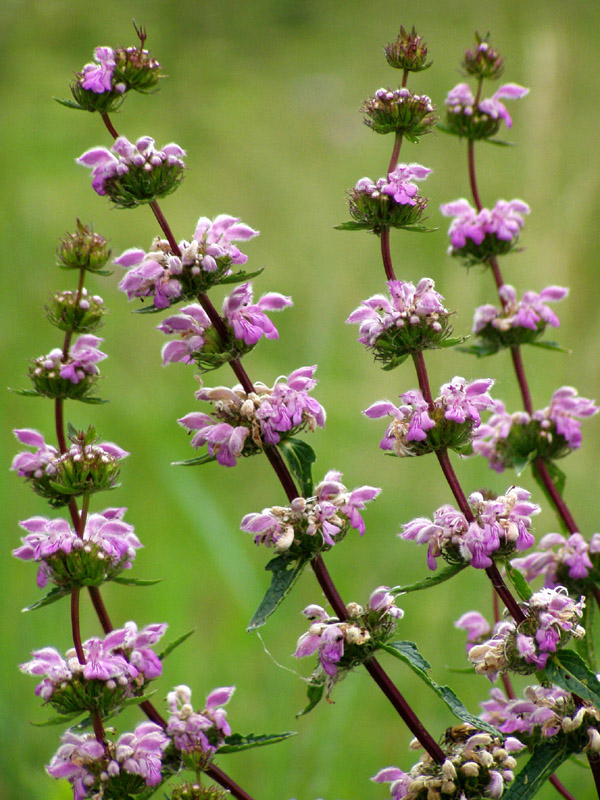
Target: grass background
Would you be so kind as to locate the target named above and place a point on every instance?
(264, 97)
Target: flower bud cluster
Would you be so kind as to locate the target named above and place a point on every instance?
(509, 440)
(83, 249)
(344, 645)
(412, 319)
(483, 60)
(73, 375)
(476, 237)
(479, 120)
(78, 312)
(243, 424)
(312, 524)
(111, 770)
(573, 565)
(86, 467)
(517, 322)
(477, 765)
(101, 86)
(204, 262)
(246, 321)
(544, 711)
(115, 668)
(408, 52)
(552, 618)
(392, 202)
(107, 547)
(417, 429)
(400, 111)
(133, 174)
(198, 734)
(500, 526)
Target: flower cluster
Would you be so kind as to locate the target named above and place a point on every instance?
(511, 440)
(198, 733)
(483, 60)
(312, 524)
(76, 311)
(552, 618)
(99, 770)
(83, 250)
(481, 120)
(134, 173)
(477, 236)
(168, 277)
(400, 111)
(477, 765)
(517, 322)
(500, 526)
(243, 423)
(392, 202)
(343, 645)
(113, 668)
(417, 429)
(86, 467)
(107, 546)
(543, 711)
(569, 566)
(246, 321)
(412, 319)
(73, 375)
(408, 52)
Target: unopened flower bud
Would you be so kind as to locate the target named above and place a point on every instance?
(408, 52)
(83, 249)
(483, 60)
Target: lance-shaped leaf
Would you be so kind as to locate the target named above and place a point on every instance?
(61, 719)
(237, 742)
(431, 580)
(569, 671)
(314, 693)
(285, 574)
(585, 645)
(547, 756)
(550, 346)
(409, 653)
(52, 596)
(519, 583)
(299, 457)
(239, 277)
(170, 647)
(193, 462)
(136, 581)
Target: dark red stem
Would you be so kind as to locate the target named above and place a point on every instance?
(504, 593)
(472, 175)
(227, 783)
(423, 378)
(395, 152)
(75, 625)
(109, 125)
(542, 470)
(453, 483)
(412, 722)
(386, 255)
(515, 353)
(164, 225)
(560, 788)
(329, 590)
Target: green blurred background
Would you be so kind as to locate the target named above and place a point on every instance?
(264, 96)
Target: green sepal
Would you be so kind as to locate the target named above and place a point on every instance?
(60, 719)
(585, 645)
(237, 742)
(285, 575)
(192, 462)
(136, 581)
(569, 671)
(547, 756)
(551, 346)
(170, 647)
(299, 456)
(52, 596)
(409, 653)
(70, 104)
(314, 693)
(431, 580)
(520, 585)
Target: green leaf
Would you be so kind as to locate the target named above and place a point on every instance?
(282, 581)
(170, 647)
(500, 142)
(192, 462)
(353, 225)
(522, 588)
(238, 277)
(585, 645)
(480, 350)
(417, 228)
(60, 719)
(52, 596)
(237, 742)
(25, 392)
(569, 671)
(70, 104)
(137, 581)
(409, 653)
(432, 580)
(453, 341)
(446, 129)
(547, 756)
(152, 309)
(520, 462)
(550, 346)
(314, 693)
(300, 457)
(91, 400)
